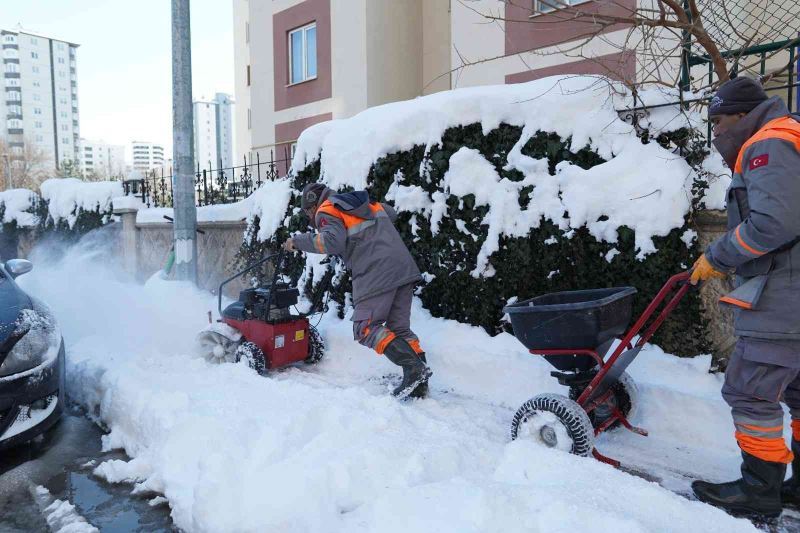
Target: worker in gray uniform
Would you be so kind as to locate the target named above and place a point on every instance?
(362, 233)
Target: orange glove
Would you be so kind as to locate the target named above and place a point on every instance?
(702, 271)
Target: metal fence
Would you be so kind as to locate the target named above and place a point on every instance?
(213, 185)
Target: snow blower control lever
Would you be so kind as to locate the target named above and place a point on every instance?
(258, 302)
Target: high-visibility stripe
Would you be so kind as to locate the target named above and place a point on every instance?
(319, 244)
(796, 429)
(349, 220)
(383, 343)
(361, 226)
(414, 343)
(784, 128)
(772, 450)
(774, 432)
(737, 303)
(744, 244)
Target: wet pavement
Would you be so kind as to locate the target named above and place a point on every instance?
(62, 461)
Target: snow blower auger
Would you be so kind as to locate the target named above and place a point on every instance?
(572, 330)
(260, 329)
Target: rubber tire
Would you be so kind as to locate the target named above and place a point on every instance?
(569, 413)
(316, 346)
(253, 356)
(626, 394)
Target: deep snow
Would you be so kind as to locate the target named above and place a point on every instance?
(326, 448)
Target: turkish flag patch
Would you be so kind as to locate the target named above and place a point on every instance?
(323, 222)
(759, 161)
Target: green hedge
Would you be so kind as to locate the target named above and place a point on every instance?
(523, 265)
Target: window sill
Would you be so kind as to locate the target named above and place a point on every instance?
(301, 82)
(534, 15)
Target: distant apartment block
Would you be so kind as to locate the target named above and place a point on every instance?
(101, 159)
(213, 132)
(147, 156)
(41, 96)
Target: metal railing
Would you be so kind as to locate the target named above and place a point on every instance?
(213, 185)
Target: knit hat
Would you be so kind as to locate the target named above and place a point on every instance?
(739, 95)
(311, 195)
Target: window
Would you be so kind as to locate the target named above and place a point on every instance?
(9, 38)
(60, 46)
(34, 40)
(293, 149)
(63, 114)
(64, 140)
(61, 60)
(13, 96)
(12, 67)
(303, 54)
(35, 69)
(248, 75)
(37, 97)
(14, 123)
(37, 84)
(64, 127)
(34, 55)
(548, 6)
(247, 32)
(11, 82)
(249, 119)
(37, 124)
(37, 110)
(39, 139)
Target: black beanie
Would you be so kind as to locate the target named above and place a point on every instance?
(311, 195)
(739, 95)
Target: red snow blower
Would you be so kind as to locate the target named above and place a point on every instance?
(572, 330)
(260, 328)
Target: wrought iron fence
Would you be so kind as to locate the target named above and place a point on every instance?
(213, 185)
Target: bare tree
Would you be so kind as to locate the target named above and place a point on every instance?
(660, 34)
(23, 167)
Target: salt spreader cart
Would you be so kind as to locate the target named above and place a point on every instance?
(572, 330)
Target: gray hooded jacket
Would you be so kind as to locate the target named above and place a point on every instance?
(362, 233)
(761, 244)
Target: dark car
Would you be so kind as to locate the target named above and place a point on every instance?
(31, 361)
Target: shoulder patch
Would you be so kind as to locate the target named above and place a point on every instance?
(759, 161)
(323, 222)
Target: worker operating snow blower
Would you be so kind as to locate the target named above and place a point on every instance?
(362, 233)
(760, 141)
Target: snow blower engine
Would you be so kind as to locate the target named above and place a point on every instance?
(259, 327)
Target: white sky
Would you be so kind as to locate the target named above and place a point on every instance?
(124, 59)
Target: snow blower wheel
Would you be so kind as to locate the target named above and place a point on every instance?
(250, 353)
(625, 397)
(316, 348)
(556, 422)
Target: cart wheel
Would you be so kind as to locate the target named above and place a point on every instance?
(251, 354)
(316, 347)
(555, 421)
(625, 398)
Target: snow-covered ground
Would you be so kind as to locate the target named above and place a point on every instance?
(325, 448)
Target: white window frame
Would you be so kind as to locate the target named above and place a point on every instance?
(538, 6)
(304, 40)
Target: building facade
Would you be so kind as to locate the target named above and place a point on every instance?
(102, 160)
(213, 132)
(147, 156)
(40, 103)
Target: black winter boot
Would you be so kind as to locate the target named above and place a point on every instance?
(421, 390)
(415, 371)
(790, 492)
(758, 493)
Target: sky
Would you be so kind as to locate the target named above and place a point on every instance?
(124, 59)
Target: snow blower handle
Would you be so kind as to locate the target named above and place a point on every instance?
(248, 269)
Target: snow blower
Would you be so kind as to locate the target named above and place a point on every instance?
(259, 328)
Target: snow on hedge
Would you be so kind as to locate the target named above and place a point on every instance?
(642, 186)
(327, 449)
(19, 204)
(67, 196)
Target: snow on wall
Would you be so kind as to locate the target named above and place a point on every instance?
(644, 187)
(18, 204)
(66, 196)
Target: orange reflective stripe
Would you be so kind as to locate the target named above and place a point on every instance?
(328, 208)
(737, 303)
(416, 346)
(772, 450)
(784, 128)
(318, 243)
(760, 428)
(796, 429)
(744, 244)
(381, 347)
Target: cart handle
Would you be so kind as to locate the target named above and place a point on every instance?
(248, 269)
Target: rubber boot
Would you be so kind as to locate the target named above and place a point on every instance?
(421, 390)
(790, 492)
(758, 493)
(415, 371)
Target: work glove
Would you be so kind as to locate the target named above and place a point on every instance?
(289, 245)
(703, 271)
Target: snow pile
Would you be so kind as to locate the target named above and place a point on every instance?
(642, 186)
(325, 448)
(61, 516)
(268, 203)
(719, 179)
(18, 204)
(67, 196)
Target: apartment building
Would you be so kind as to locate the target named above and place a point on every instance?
(102, 159)
(300, 62)
(213, 132)
(41, 96)
(147, 156)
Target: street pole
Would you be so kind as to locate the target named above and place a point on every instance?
(183, 145)
(9, 180)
